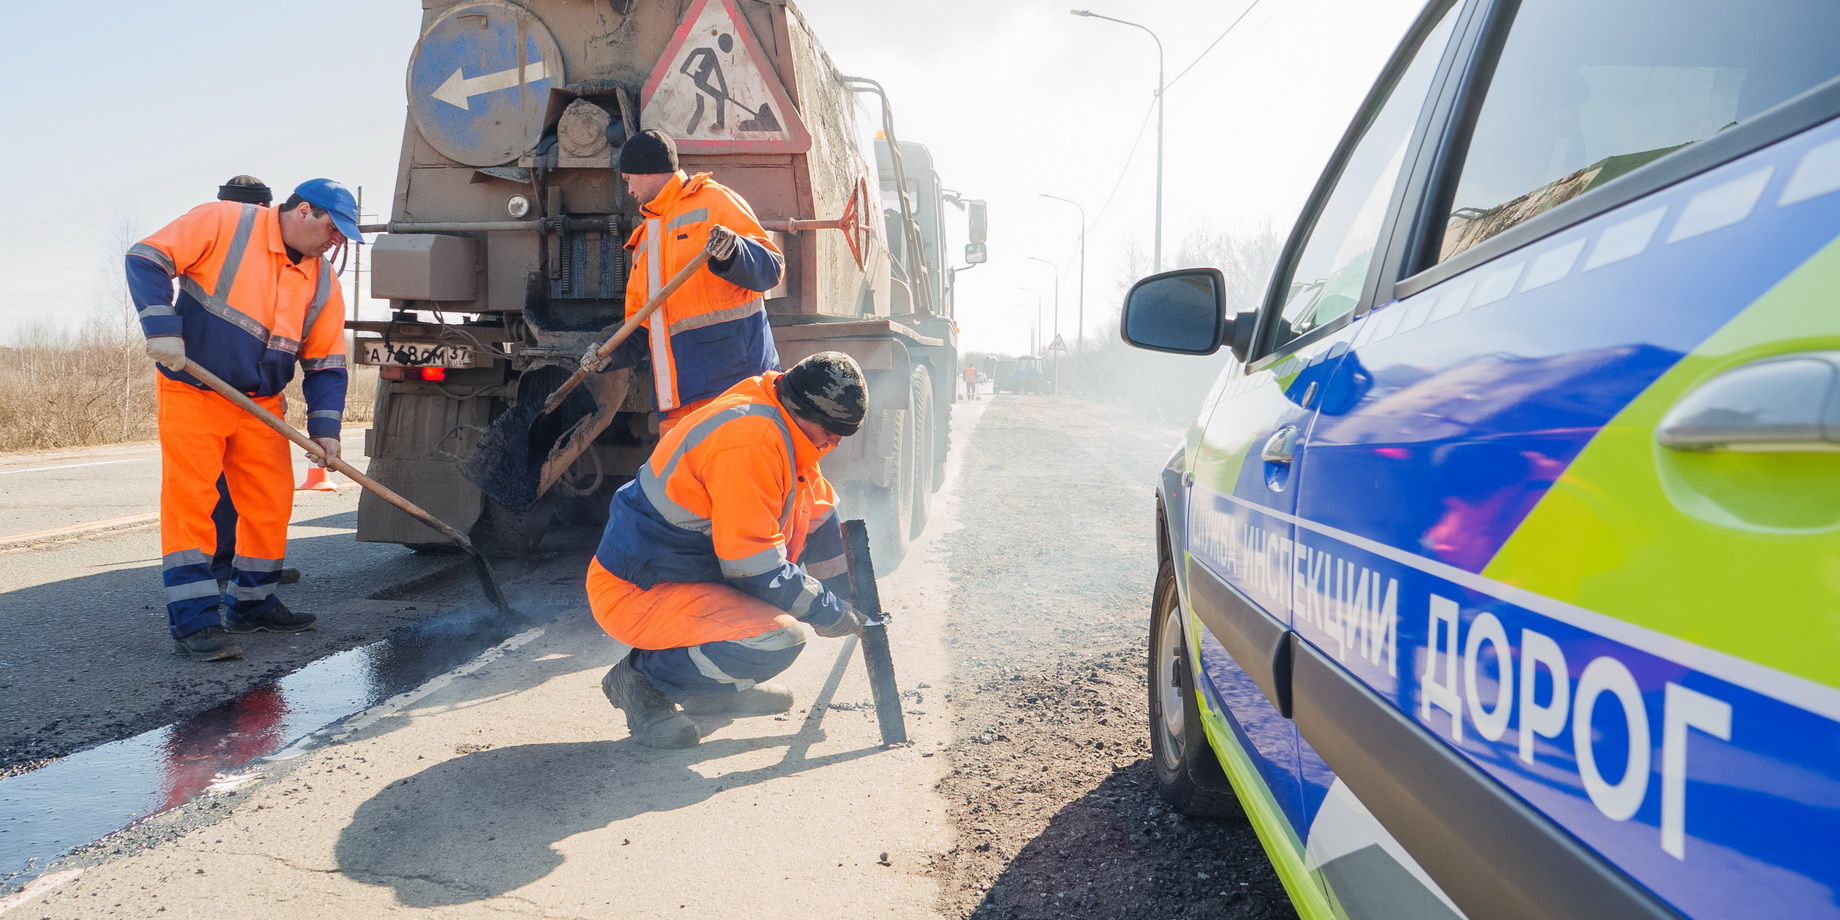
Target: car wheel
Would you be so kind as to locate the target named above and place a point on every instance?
(1187, 772)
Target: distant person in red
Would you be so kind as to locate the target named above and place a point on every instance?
(971, 389)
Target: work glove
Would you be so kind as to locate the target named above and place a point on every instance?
(836, 623)
(591, 360)
(722, 243)
(168, 350)
(329, 451)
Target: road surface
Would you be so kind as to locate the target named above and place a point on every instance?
(506, 785)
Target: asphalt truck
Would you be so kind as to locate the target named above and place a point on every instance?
(503, 258)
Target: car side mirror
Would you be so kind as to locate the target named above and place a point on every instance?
(977, 216)
(1183, 312)
(975, 254)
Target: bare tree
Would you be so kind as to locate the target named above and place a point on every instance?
(1173, 386)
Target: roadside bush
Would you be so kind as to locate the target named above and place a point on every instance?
(61, 390)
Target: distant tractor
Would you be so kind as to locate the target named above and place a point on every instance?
(1022, 375)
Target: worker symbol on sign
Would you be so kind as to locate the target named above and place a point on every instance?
(705, 70)
(718, 91)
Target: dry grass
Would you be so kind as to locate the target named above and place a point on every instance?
(62, 390)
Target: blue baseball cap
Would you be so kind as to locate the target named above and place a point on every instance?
(334, 199)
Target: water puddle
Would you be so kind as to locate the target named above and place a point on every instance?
(81, 798)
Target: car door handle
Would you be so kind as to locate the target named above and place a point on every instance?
(1786, 403)
(1281, 446)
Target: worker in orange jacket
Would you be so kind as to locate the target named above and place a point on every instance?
(256, 298)
(248, 190)
(712, 332)
(724, 543)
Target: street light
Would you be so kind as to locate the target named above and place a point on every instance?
(1057, 291)
(1055, 359)
(1158, 258)
(1079, 331)
(1035, 337)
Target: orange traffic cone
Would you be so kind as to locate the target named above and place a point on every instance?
(316, 481)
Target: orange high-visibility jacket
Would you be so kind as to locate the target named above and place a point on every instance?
(733, 495)
(713, 331)
(247, 313)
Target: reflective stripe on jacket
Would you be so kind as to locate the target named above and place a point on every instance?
(247, 313)
(713, 331)
(732, 495)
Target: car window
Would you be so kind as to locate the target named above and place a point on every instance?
(1589, 90)
(1329, 272)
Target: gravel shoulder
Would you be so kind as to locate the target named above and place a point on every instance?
(1051, 787)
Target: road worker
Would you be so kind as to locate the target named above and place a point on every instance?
(712, 332)
(971, 385)
(726, 541)
(247, 190)
(256, 297)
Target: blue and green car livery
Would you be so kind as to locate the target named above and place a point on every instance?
(1506, 582)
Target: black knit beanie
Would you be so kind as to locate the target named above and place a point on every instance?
(247, 190)
(650, 152)
(826, 389)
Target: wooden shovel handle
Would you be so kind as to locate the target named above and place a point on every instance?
(293, 434)
(626, 329)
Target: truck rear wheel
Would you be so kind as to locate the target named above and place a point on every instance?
(503, 532)
(920, 409)
(889, 509)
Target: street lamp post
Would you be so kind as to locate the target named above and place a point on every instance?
(1057, 291)
(1158, 257)
(1056, 358)
(1079, 331)
(1035, 336)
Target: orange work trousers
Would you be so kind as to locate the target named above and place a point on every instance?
(677, 614)
(694, 638)
(672, 417)
(204, 436)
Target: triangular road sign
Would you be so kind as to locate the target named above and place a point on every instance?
(715, 90)
(1060, 344)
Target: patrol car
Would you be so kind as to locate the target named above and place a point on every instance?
(1500, 573)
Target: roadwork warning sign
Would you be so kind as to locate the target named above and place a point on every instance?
(715, 91)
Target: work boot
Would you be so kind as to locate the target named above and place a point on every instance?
(651, 718)
(758, 700)
(211, 643)
(278, 619)
(288, 577)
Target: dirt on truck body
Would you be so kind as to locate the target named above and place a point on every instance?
(504, 257)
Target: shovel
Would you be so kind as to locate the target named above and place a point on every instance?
(486, 580)
(505, 464)
(876, 658)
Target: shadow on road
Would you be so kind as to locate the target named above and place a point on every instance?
(487, 823)
(1108, 855)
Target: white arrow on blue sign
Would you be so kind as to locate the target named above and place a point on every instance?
(459, 89)
(479, 82)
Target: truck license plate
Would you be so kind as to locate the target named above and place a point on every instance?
(416, 354)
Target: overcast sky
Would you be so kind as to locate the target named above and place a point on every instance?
(123, 115)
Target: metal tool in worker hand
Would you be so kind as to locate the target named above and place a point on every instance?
(874, 636)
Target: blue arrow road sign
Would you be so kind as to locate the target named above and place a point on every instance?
(472, 94)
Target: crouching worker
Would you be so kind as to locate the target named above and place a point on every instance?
(723, 544)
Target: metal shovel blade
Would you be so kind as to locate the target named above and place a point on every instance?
(507, 462)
